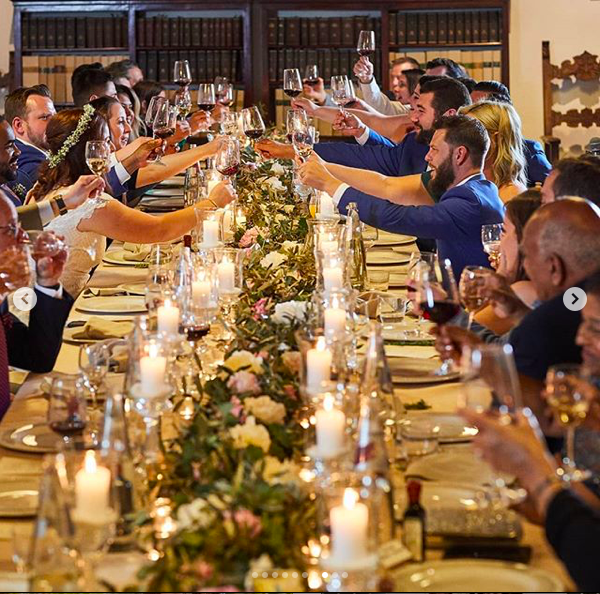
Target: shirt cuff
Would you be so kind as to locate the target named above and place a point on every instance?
(122, 173)
(364, 137)
(46, 212)
(54, 293)
(337, 195)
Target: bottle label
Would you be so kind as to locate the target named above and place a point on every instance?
(413, 537)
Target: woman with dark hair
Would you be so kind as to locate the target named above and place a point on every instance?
(131, 104)
(145, 90)
(89, 225)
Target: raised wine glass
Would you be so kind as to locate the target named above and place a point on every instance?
(296, 119)
(227, 159)
(303, 141)
(490, 238)
(311, 75)
(420, 262)
(152, 110)
(341, 91)
(97, 157)
(206, 97)
(252, 123)
(182, 102)
(292, 82)
(366, 43)
(67, 409)
(164, 125)
(182, 75)
(224, 91)
(472, 282)
(567, 392)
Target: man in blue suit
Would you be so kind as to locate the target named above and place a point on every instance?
(456, 156)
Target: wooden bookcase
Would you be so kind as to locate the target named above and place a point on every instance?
(255, 49)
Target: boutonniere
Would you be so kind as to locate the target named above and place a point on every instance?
(20, 190)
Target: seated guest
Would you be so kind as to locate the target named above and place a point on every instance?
(91, 223)
(90, 81)
(9, 161)
(456, 156)
(445, 67)
(468, 82)
(34, 346)
(131, 104)
(490, 90)
(145, 90)
(574, 177)
(28, 110)
(125, 72)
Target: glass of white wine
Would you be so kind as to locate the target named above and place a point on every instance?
(97, 157)
(490, 238)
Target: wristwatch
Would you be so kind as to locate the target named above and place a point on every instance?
(60, 203)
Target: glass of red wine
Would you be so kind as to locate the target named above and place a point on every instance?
(292, 82)
(252, 123)
(366, 43)
(227, 159)
(164, 125)
(224, 91)
(439, 301)
(182, 75)
(311, 75)
(207, 98)
(67, 414)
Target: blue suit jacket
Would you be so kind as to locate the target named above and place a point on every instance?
(454, 222)
(538, 166)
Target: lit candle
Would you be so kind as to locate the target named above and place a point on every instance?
(349, 523)
(318, 366)
(240, 217)
(211, 233)
(328, 247)
(335, 320)
(333, 279)
(168, 318)
(92, 487)
(152, 372)
(201, 293)
(330, 426)
(326, 206)
(226, 275)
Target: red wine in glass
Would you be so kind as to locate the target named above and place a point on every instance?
(311, 82)
(229, 171)
(184, 82)
(440, 312)
(254, 134)
(164, 132)
(68, 427)
(206, 106)
(291, 93)
(365, 52)
(196, 333)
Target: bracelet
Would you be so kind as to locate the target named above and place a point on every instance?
(213, 203)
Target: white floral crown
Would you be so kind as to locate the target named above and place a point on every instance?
(73, 139)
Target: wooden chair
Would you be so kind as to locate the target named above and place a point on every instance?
(585, 67)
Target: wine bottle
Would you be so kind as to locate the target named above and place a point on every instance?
(413, 532)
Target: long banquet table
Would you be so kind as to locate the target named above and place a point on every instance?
(25, 469)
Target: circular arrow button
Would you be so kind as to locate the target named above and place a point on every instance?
(575, 299)
(24, 299)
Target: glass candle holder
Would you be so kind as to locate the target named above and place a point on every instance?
(331, 268)
(316, 229)
(326, 208)
(209, 230)
(230, 280)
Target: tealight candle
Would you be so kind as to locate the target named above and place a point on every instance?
(92, 488)
(326, 205)
(333, 278)
(335, 320)
(201, 293)
(168, 318)
(152, 372)
(226, 276)
(330, 426)
(211, 233)
(318, 365)
(349, 523)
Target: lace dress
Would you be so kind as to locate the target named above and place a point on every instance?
(80, 261)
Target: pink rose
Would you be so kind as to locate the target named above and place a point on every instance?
(259, 309)
(247, 521)
(203, 570)
(264, 355)
(237, 407)
(244, 382)
(248, 239)
(290, 391)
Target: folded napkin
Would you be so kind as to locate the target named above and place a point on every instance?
(136, 252)
(105, 292)
(97, 328)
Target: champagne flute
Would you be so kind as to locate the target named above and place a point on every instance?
(311, 75)
(67, 412)
(182, 74)
(366, 43)
(490, 238)
(97, 157)
(566, 393)
(252, 123)
(472, 281)
(292, 82)
(164, 125)
(227, 159)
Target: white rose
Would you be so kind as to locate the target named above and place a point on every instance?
(239, 359)
(273, 259)
(290, 245)
(250, 434)
(276, 472)
(196, 514)
(288, 312)
(275, 184)
(277, 169)
(265, 409)
(289, 208)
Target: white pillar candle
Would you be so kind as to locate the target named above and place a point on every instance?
(168, 318)
(318, 366)
(349, 523)
(201, 293)
(328, 247)
(335, 320)
(240, 217)
(92, 487)
(330, 427)
(152, 373)
(333, 278)
(326, 206)
(226, 275)
(211, 233)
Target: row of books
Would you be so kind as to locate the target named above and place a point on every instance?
(164, 31)
(74, 32)
(55, 71)
(443, 27)
(204, 64)
(330, 62)
(320, 32)
(480, 64)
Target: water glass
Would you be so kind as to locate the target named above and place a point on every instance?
(378, 280)
(419, 437)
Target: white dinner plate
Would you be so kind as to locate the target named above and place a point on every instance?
(133, 288)
(455, 464)
(475, 575)
(117, 257)
(386, 238)
(161, 204)
(172, 182)
(30, 438)
(386, 258)
(453, 429)
(124, 305)
(165, 192)
(18, 503)
(68, 334)
(415, 370)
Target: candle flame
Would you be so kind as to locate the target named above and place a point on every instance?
(167, 303)
(328, 402)
(350, 498)
(153, 350)
(321, 343)
(90, 462)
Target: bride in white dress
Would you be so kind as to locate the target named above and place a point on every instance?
(89, 225)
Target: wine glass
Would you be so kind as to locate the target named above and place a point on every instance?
(164, 125)
(311, 75)
(206, 97)
(152, 110)
(292, 82)
(341, 91)
(227, 159)
(97, 157)
(490, 238)
(193, 185)
(303, 141)
(567, 394)
(67, 413)
(366, 43)
(370, 235)
(182, 74)
(472, 282)
(224, 92)
(419, 263)
(230, 123)
(296, 119)
(183, 102)
(94, 361)
(252, 123)
(439, 301)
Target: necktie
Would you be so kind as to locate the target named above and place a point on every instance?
(4, 384)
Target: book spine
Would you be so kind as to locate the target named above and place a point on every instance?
(175, 40)
(304, 36)
(187, 32)
(324, 35)
(484, 26)
(149, 24)
(194, 66)
(61, 39)
(393, 34)
(401, 28)
(142, 59)
(494, 23)
(432, 28)
(50, 33)
(99, 27)
(313, 32)
(108, 32)
(459, 27)
(468, 27)
(238, 35)
(475, 26)
(335, 32)
(422, 28)
(152, 65)
(411, 28)
(292, 31)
